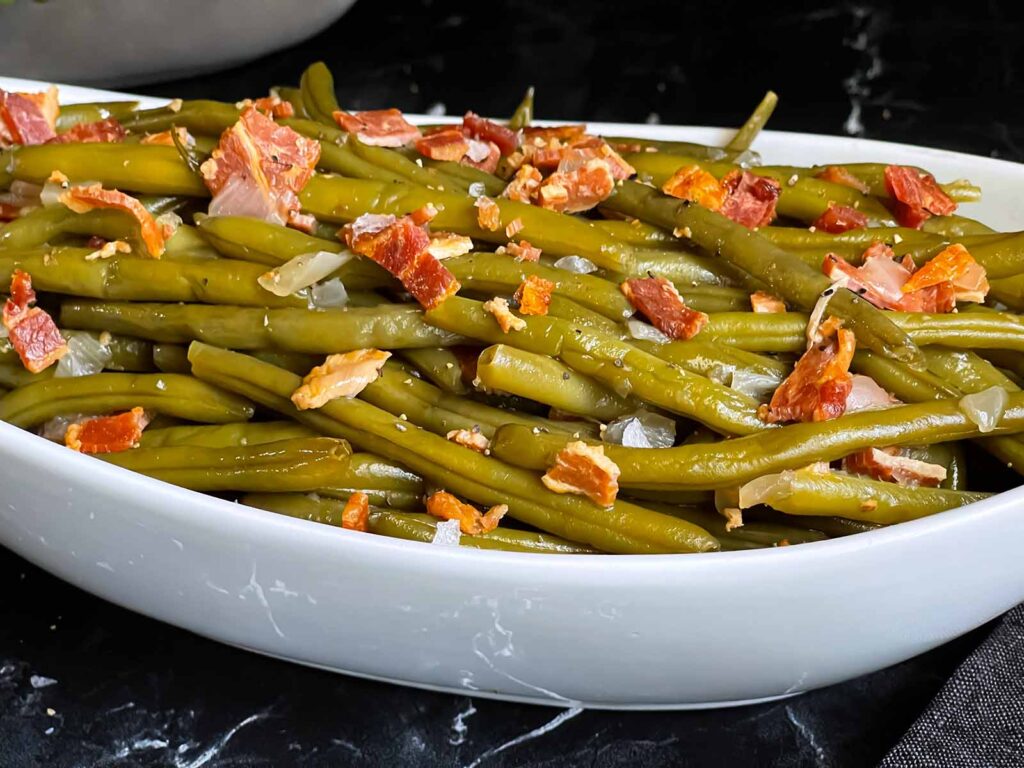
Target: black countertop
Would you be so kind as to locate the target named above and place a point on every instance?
(83, 683)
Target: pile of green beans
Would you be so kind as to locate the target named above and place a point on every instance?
(213, 358)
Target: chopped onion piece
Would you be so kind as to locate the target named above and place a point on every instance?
(302, 271)
(818, 314)
(329, 294)
(646, 332)
(766, 490)
(168, 223)
(642, 429)
(50, 194)
(477, 188)
(985, 408)
(578, 264)
(447, 534)
(866, 395)
(242, 196)
(85, 356)
(371, 224)
(759, 386)
(478, 150)
(56, 428)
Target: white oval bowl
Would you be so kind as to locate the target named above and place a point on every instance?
(648, 632)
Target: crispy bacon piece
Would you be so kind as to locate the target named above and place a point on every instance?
(488, 214)
(30, 330)
(9, 212)
(889, 465)
(820, 383)
(82, 199)
(659, 301)
(524, 251)
(534, 295)
(539, 136)
(450, 144)
(271, 106)
(28, 118)
(378, 127)
(165, 139)
(765, 303)
(108, 131)
(107, 434)
(751, 199)
(577, 190)
(839, 175)
(693, 183)
(840, 218)
(259, 168)
(880, 280)
(505, 139)
(356, 514)
(585, 470)
(955, 265)
(470, 438)
(446, 507)
(402, 248)
(917, 196)
(483, 155)
(588, 148)
(524, 184)
(344, 375)
(498, 307)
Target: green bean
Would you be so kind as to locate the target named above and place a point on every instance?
(1008, 291)
(171, 358)
(625, 528)
(126, 354)
(750, 535)
(240, 237)
(166, 393)
(300, 464)
(72, 271)
(14, 375)
(787, 276)
(71, 115)
(685, 148)
(399, 164)
(523, 115)
(732, 462)
(537, 377)
(296, 362)
(807, 492)
(322, 332)
(745, 136)
(368, 472)
(850, 244)
(948, 455)
(441, 366)
(955, 226)
(636, 232)
(202, 117)
(235, 435)
(317, 86)
(968, 371)
(711, 358)
(294, 97)
(873, 175)
(832, 526)
(336, 153)
(467, 175)
(623, 368)
(421, 527)
(576, 314)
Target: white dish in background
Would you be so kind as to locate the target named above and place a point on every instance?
(659, 631)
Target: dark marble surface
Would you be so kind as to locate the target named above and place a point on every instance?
(83, 683)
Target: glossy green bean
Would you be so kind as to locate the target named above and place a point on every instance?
(126, 354)
(745, 136)
(317, 87)
(171, 358)
(421, 527)
(440, 366)
(873, 175)
(71, 115)
(467, 176)
(636, 232)
(235, 435)
(750, 535)
(523, 114)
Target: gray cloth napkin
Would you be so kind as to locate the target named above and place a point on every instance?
(977, 720)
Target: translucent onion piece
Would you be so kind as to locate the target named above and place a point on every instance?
(242, 196)
(477, 188)
(447, 534)
(169, 223)
(766, 490)
(818, 314)
(985, 408)
(371, 223)
(478, 151)
(759, 386)
(57, 427)
(866, 395)
(645, 332)
(329, 294)
(85, 356)
(302, 271)
(642, 429)
(578, 264)
(50, 195)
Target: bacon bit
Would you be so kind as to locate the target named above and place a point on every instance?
(482, 155)
(402, 248)
(356, 514)
(488, 214)
(271, 161)
(271, 106)
(889, 465)
(585, 470)
(28, 118)
(524, 184)
(836, 174)
(450, 145)
(31, 330)
(917, 196)
(588, 148)
(108, 131)
(766, 303)
(9, 212)
(166, 139)
(344, 375)
(446, 507)
(514, 228)
(470, 438)
(445, 245)
(693, 183)
(108, 249)
(499, 308)
(577, 190)
(378, 127)
(880, 280)
(107, 434)
(524, 251)
(820, 383)
(505, 139)
(840, 218)
(659, 301)
(82, 199)
(534, 295)
(304, 222)
(751, 199)
(424, 214)
(955, 265)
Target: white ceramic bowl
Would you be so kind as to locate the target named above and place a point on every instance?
(121, 42)
(662, 631)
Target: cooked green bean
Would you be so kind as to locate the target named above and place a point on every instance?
(441, 366)
(71, 115)
(523, 115)
(748, 132)
(127, 355)
(235, 435)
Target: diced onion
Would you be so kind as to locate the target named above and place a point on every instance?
(302, 271)
(85, 356)
(447, 534)
(985, 408)
(818, 314)
(766, 490)
(371, 223)
(866, 395)
(330, 294)
(169, 223)
(642, 429)
(646, 332)
(478, 150)
(242, 196)
(477, 188)
(759, 386)
(50, 194)
(578, 264)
